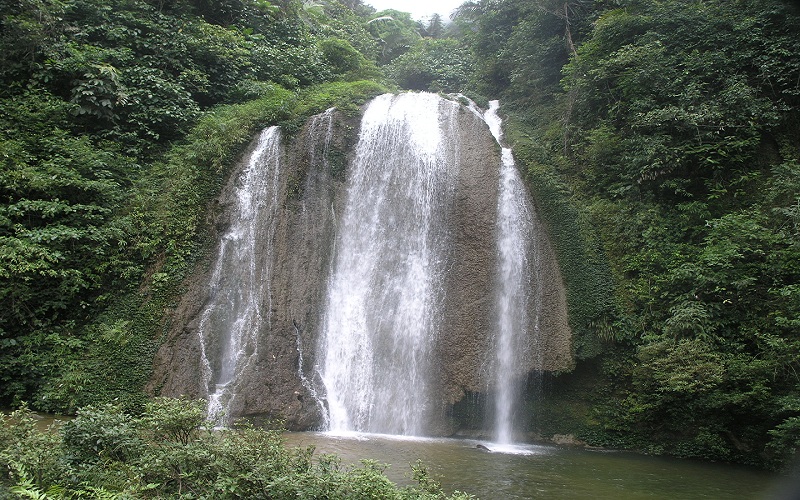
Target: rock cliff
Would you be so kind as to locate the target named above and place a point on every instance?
(281, 380)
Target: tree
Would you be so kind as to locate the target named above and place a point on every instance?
(396, 33)
(437, 65)
(434, 28)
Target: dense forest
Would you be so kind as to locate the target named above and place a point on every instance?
(660, 139)
(667, 134)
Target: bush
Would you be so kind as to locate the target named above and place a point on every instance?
(169, 452)
(101, 433)
(345, 61)
(436, 65)
(27, 455)
(175, 420)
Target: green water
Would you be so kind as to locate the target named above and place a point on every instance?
(44, 421)
(547, 471)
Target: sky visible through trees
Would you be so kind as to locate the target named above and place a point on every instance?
(419, 9)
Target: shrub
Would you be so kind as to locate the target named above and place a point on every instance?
(101, 433)
(163, 453)
(175, 420)
(27, 455)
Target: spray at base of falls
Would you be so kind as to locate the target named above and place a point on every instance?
(234, 316)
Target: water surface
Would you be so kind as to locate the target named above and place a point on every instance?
(532, 471)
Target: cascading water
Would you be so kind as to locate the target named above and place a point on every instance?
(320, 134)
(319, 139)
(236, 312)
(514, 341)
(385, 293)
(387, 301)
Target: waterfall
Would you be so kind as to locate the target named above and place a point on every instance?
(319, 137)
(385, 292)
(239, 299)
(384, 304)
(378, 301)
(516, 336)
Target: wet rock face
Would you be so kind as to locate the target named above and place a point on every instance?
(470, 316)
(464, 342)
(281, 380)
(272, 385)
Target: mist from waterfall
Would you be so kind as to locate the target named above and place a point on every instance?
(236, 310)
(385, 294)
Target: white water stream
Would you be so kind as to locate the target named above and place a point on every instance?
(513, 343)
(385, 293)
(236, 310)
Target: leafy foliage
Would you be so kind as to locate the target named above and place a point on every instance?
(436, 65)
(670, 129)
(345, 61)
(27, 455)
(395, 32)
(169, 452)
(697, 145)
(59, 246)
(100, 434)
